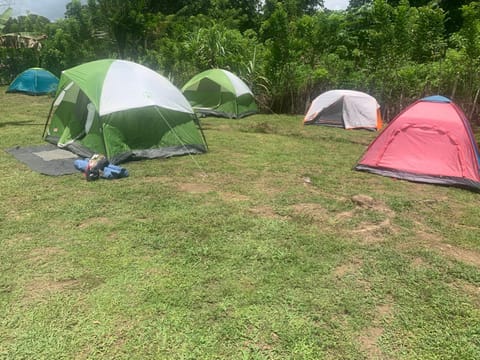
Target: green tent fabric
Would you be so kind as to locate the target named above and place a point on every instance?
(123, 110)
(218, 92)
(34, 81)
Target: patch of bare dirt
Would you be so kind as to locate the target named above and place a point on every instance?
(262, 343)
(369, 232)
(311, 209)
(369, 338)
(372, 232)
(418, 262)
(217, 127)
(471, 290)
(368, 202)
(155, 179)
(467, 287)
(14, 215)
(40, 288)
(368, 341)
(229, 196)
(118, 337)
(369, 228)
(17, 239)
(345, 215)
(195, 188)
(468, 256)
(95, 221)
(265, 187)
(435, 242)
(385, 310)
(351, 267)
(45, 253)
(266, 211)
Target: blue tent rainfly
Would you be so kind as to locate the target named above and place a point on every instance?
(34, 81)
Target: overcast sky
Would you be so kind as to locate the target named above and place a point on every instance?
(52, 9)
(336, 4)
(55, 9)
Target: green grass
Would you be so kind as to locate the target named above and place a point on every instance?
(255, 250)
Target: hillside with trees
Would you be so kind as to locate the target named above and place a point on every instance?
(287, 51)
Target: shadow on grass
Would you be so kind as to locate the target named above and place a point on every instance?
(21, 123)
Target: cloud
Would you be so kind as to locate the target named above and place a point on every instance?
(51, 9)
(336, 4)
(55, 9)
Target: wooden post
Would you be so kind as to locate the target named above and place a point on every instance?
(474, 105)
(454, 90)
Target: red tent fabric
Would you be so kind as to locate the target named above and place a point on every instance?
(430, 141)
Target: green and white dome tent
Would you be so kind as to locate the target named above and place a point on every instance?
(218, 92)
(123, 110)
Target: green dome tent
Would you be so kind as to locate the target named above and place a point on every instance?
(123, 110)
(218, 92)
(34, 81)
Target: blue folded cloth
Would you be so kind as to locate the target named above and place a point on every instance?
(114, 172)
(81, 164)
(109, 172)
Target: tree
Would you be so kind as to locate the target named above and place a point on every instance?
(453, 10)
(73, 40)
(294, 8)
(470, 33)
(21, 43)
(241, 14)
(125, 22)
(6, 6)
(355, 4)
(429, 41)
(4, 17)
(282, 68)
(29, 24)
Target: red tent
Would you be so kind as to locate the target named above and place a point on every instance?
(430, 141)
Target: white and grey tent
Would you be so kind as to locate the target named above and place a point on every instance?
(345, 108)
(123, 110)
(218, 92)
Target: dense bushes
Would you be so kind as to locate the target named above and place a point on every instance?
(287, 51)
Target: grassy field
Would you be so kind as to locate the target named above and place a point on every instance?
(268, 247)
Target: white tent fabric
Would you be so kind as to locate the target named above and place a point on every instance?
(239, 86)
(357, 109)
(123, 110)
(145, 88)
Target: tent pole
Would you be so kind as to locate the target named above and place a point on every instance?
(48, 120)
(197, 122)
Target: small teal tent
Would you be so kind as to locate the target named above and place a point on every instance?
(34, 81)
